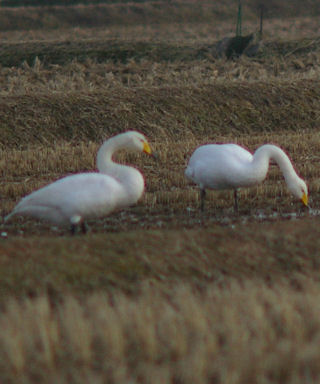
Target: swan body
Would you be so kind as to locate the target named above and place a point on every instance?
(75, 198)
(229, 166)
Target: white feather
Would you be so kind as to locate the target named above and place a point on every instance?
(229, 166)
(75, 198)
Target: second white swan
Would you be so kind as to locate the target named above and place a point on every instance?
(75, 198)
(229, 166)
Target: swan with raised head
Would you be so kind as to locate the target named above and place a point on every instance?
(73, 199)
(229, 166)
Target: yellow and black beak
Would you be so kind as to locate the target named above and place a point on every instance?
(147, 150)
(304, 199)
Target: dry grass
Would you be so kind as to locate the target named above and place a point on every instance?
(159, 292)
(22, 171)
(98, 64)
(148, 13)
(204, 252)
(234, 333)
(163, 113)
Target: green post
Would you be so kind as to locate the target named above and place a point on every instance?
(239, 19)
(261, 21)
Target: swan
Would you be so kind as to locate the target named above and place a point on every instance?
(229, 166)
(74, 198)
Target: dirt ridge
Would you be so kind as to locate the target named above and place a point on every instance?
(230, 108)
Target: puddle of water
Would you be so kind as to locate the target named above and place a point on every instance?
(262, 216)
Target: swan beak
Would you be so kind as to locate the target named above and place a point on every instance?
(146, 148)
(305, 199)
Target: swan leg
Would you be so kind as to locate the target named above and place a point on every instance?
(75, 221)
(236, 200)
(202, 198)
(84, 228)
(73, 229)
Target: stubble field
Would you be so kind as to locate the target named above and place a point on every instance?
(160, 292)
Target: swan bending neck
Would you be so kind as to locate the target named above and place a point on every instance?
(129, 178)
(105, 153)
(268, 152)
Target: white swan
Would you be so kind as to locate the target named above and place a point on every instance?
(75, 198)
(229, 166)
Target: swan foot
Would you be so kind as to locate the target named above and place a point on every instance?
(83, 226)
(76, 222)
(73, 229)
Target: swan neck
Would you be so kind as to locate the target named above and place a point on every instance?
(268, 152)
(104, 156)
(130, 179)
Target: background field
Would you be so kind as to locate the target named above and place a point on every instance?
(160, 293)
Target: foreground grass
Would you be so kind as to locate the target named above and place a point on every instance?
(236, 303)
(270, 252)
(228, 333)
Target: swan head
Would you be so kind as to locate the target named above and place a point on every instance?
(136, 141)
(130, 140)
(299, 189)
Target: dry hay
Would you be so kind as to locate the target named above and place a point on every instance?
(160, 292)
(162, 113)
(167, 190)
(233, 333)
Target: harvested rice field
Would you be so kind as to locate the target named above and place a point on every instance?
(160, 292)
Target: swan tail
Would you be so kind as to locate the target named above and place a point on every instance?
(189, 173)
(17, 210)
(8, 217)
